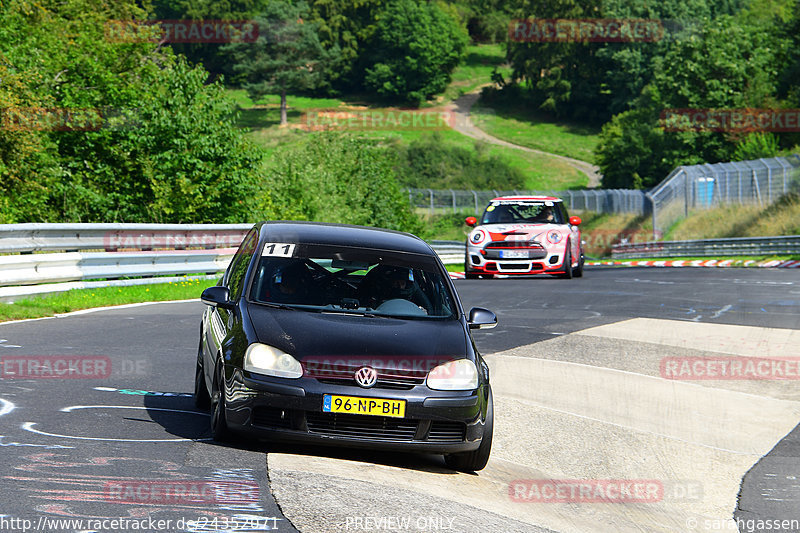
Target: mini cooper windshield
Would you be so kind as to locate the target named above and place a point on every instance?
(349, 280)
(522, 212)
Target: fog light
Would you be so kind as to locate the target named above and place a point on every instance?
(553, 260)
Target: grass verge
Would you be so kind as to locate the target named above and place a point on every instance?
(78, 299)
(524, 127)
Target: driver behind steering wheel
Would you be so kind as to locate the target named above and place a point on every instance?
(398, 283)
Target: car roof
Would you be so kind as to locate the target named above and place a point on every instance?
(342, 235)
(543, 198)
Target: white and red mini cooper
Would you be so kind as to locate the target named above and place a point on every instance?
(524, 235)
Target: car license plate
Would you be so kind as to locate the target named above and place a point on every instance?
(363, 406)
(514, 254)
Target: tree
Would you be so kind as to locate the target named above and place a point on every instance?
(346, 27)
(287, 56)
(161, 145)
(413, 52)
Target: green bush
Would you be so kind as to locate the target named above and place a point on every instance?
(429, 162)
(340, 178)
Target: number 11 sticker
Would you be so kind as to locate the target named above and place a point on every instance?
(278, 249)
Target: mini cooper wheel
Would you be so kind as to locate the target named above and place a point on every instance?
(475, 460)
(578, 272)
(567, 264)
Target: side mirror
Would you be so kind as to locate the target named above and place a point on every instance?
(480, 318)
(217, 297)
(575, 221)
(471, 221)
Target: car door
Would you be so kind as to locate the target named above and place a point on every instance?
(218, 321)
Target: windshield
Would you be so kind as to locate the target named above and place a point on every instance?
(351, 280)
(499, 212)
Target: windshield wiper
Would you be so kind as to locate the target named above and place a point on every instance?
(277, 305)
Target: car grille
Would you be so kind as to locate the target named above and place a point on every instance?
(395, 383)
(514, 244)
(361, 426)
(345, 375)
(533, 250)
(271, 417)
(447, 431)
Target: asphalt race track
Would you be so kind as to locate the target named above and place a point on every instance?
(578, 369)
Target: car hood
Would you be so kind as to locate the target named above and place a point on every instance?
(305, 334)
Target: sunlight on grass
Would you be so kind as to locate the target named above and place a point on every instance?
(526, 128)
(75, 300)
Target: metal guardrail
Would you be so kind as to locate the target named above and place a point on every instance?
(27, 273)
(24, 238)
(756, 246)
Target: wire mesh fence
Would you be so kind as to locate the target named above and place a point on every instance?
(755, 182)
(438, 201)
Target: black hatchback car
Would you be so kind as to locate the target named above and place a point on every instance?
(348, 336)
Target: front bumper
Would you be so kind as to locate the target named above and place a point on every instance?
(283, 410)
(477, 262)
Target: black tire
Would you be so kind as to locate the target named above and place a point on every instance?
(475, 460)
(219, 425)
(578, 273)
(201, 398)
(567, 264)
(471, 276)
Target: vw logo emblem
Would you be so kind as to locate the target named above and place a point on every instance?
(366, 377)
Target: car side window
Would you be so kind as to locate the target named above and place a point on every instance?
(238, 267)
(564, 214)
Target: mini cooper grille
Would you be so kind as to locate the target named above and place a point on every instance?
(361, 426)
(515, 244)
(514, 266)
(447, 431)
(271, 417)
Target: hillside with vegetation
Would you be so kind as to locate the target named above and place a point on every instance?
(101, 127)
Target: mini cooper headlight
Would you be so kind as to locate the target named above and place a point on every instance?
(264, 359)
(455, 375)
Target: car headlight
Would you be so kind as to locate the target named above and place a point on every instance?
(264, 359)
(461, 374)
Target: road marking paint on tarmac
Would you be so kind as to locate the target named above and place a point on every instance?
(6, 407)
(29, 426)
(74, 407)
(28, 445)
(730, 339)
